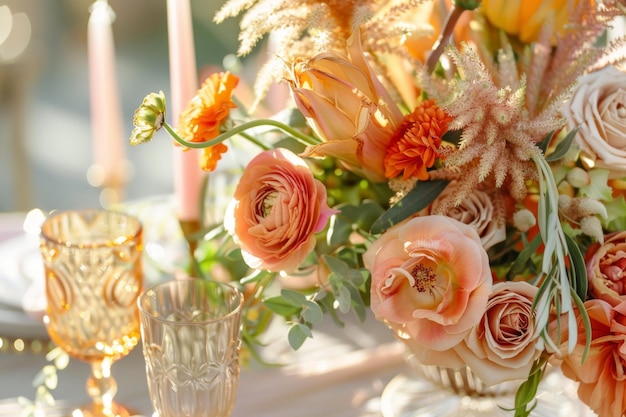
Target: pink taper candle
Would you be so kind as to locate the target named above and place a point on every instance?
(183, 85)
(106, 112)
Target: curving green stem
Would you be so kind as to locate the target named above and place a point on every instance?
(305, 139)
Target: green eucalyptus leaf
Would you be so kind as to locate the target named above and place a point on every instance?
(344, 298)
(563, 147)
(521, 262)
(255, 276)
(586, 323)
(312, 312)
(543, 145)
(337, 266)
(44, 396)
(297, 335)
(578, 269)
(368, 212)
(527, 391)
(328, 306)
(293, 298)
(417, 199)
(40, 378)
(51, 381)
(281, 306)
(339, 231)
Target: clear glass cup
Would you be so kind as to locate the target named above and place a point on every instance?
(191, 335)
(93, 276)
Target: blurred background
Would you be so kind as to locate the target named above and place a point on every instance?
(45, 131)
(45, 122)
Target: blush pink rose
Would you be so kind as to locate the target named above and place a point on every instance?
(430, 279)
(606, 268)
(598, 108)
(502, 346)
(277, 208)
(602, 375)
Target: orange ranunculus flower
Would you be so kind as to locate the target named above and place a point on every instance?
(602, 375)
(415, 145)
(606, 268)
(348, 108)
(200, 121)
(526, 18)
(210, 156)
(430, 280)
(276, 209)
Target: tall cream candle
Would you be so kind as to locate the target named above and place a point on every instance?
(183, 85)
(106, 113)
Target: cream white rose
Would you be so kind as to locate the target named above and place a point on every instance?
(476, 211)
(598, 108)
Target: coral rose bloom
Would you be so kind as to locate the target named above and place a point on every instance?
(277, 207)
(430, 278)
(602, 375)
(502, 346)
(606, 268)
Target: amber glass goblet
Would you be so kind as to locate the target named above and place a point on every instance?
(93, 275)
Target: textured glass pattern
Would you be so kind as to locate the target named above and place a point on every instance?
(191, 340)
(432, 391)
(93, 275)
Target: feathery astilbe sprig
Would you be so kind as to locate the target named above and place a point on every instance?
(614, 54)
(310, 26)
(498, 143)
(385, 28)
(296, 19)
(576, 50)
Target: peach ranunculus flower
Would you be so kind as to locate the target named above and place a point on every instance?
(598, 107)
(414, 147)
(430, 280)
(200, 121)
(526, 19)
(602, 375)
(477, 210)
(606, 268)
(277, 208)
(348, 107)
(502, 346)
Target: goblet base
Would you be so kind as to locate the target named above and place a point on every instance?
(414, 396)
(98, 410)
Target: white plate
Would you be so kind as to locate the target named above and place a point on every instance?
(20, 266)
(21, 271)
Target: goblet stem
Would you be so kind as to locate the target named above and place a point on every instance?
(101, 387)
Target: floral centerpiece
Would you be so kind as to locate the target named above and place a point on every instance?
(456, 167)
